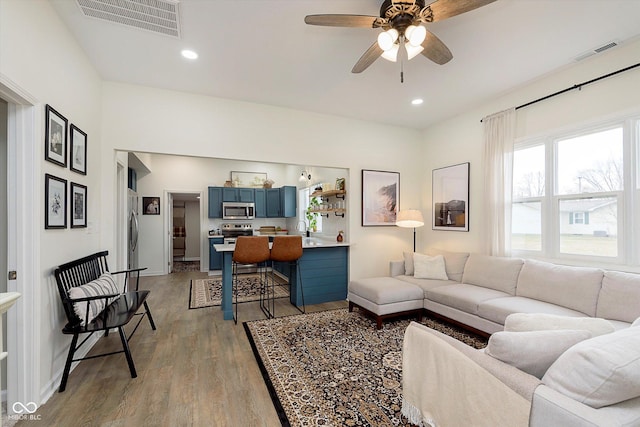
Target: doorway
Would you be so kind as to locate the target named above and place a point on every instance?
(184, 231)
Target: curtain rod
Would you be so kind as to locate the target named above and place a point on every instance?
(577, 86)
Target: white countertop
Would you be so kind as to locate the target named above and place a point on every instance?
(307, 243)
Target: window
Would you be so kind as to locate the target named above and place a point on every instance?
(304, 200)
(570, 190)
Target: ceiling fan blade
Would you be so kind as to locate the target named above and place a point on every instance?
(443, 9)
(357, 21)
(368, 58)
(435, 50)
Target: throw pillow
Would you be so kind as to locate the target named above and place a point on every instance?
(408, 263)
(104, 285)
(636, 322)
(519, 322)
(601, 371)
(429, 267)
(534, 351)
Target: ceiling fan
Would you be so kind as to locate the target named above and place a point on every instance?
(403, 30)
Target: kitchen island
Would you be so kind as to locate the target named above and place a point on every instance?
(324, 268)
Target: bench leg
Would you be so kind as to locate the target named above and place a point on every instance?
(67, 365)
(146, 307)
(127, 352)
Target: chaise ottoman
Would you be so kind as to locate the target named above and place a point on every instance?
(385, 297)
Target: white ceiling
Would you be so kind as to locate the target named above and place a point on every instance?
(261, 51)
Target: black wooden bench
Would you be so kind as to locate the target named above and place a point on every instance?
(119, 308)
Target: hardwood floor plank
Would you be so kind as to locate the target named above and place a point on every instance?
(196, 369)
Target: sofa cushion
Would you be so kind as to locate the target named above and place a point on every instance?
(636, 322)
(576, 288)
(454, 262)
(429, 267)
(385, 290)
(497, 310)
(519, 322)
(492, 272)
(463, 296)
(619, 297)
(533, 351)
(600, 371)
(408, 263)
(425, 284)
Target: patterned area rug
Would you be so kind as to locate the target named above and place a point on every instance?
(208, 292)
(333, 368)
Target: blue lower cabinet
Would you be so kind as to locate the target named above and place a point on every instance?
(324, 275)
(215, 258)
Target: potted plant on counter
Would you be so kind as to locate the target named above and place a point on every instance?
(312, 216)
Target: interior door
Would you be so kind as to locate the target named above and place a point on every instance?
(169, 210)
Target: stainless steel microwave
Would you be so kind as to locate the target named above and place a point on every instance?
(235, 210)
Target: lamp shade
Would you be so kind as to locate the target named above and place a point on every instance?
(410, 218)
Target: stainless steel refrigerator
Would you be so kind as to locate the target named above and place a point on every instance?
(132, 229)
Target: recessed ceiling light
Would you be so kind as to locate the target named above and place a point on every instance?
(417, 101)
(189, 54)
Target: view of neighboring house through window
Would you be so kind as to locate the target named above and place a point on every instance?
(569, 193)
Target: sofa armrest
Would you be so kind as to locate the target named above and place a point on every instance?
(550, 407)
(437, 370)
(396, 268)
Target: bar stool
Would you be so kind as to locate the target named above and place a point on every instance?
(289, 249)
(250, 250)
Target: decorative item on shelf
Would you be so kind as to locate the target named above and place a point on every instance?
(268, 183)
(312, 216)
(340, 237)
(318, 188)
(340, 184)
(228, 183)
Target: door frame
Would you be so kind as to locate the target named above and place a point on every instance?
(168, 223)
(23, 328)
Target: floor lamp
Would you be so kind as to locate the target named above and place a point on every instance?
(410, 218)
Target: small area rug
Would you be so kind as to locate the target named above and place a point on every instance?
(208, 292)
(333, 368)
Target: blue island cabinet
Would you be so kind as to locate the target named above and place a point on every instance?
(215, 258)
(324, 273)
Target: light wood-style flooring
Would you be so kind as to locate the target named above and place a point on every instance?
(196, 369)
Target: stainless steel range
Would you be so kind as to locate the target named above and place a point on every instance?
(230, 231)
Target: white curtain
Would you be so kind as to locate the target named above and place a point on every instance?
(499, 134)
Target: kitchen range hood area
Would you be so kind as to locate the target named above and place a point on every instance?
(208, 178)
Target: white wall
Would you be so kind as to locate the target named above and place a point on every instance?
(40, 56)
(159, 121)
(460, 139)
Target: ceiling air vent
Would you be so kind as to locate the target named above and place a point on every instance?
(596, 50)
(159, 16)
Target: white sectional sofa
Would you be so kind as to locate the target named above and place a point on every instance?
(483, 290)
(448, 383)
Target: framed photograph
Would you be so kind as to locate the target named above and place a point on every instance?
(55, 137)
(55, 202)
(78, 205)
(151, 206)
(451, 198)
(248, 179)
(78, 152)
(380, 197)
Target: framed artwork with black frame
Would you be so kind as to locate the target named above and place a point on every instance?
(380, 197)
(78, 152)
(450, 190)
(55, 202)
(151, 206)
(55, 137)
(78, 205)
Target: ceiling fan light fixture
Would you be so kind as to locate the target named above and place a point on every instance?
(391, 54)
(415, 34)
(387, 39)
(412, 51)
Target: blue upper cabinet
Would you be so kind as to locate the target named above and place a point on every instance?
(288, 201)
(215, 202)
(273, 203)
(244, 195)
(260, 195)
